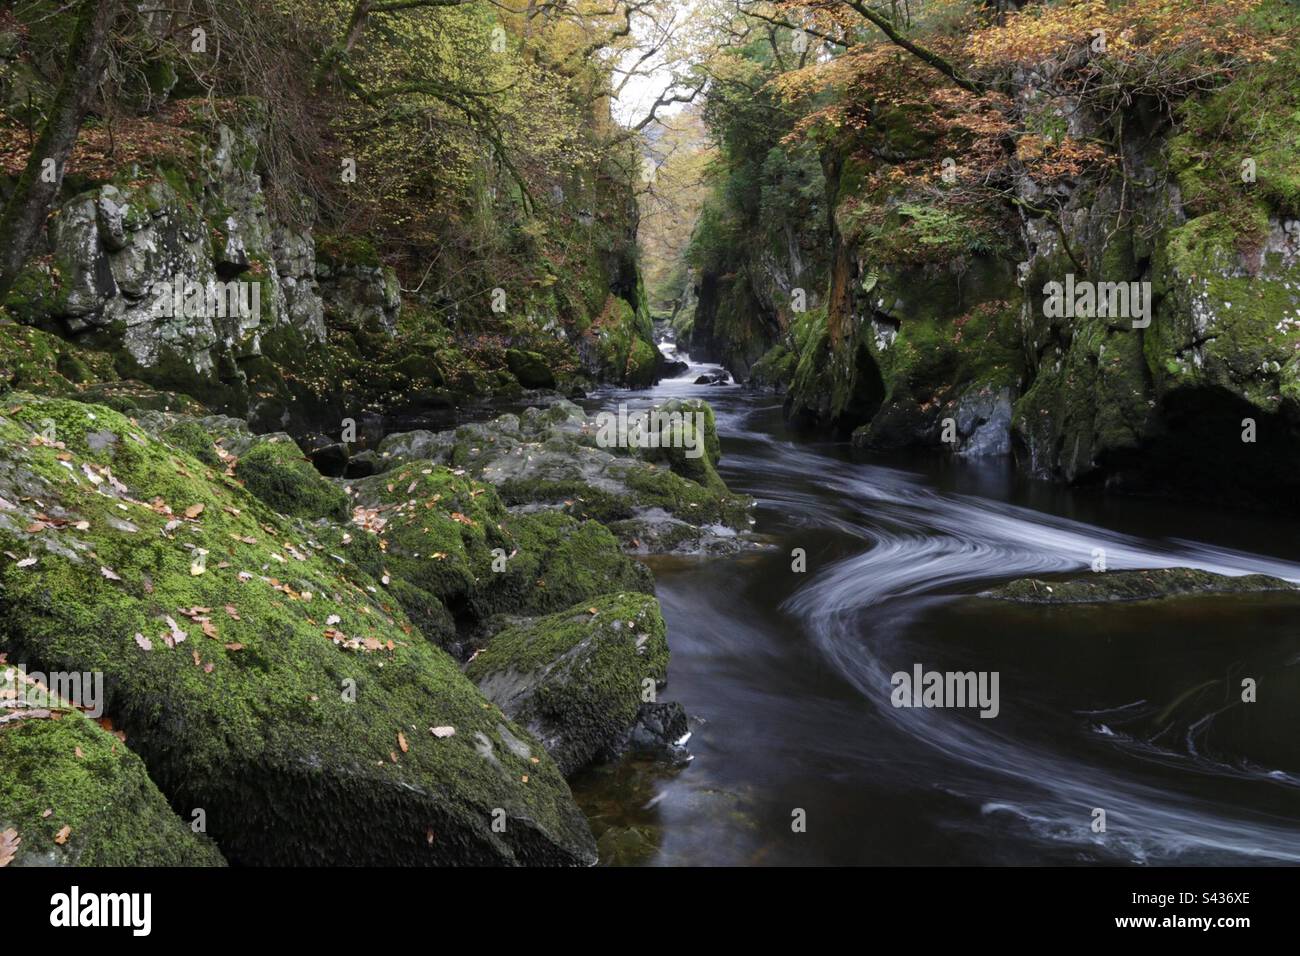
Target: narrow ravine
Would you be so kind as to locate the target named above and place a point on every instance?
(1129, 708)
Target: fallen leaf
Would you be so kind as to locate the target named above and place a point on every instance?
(9, 841)
(47, 813)
(193, 511)
(144, 642)
(26, 562)
(441, 732)
(401, 742)
(62, 836)
(81, 755)
(176, 634)
(109, 573)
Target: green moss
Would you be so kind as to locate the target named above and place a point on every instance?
(348, 251)
(87, 780)
(577, 679)
(775, 368)
(194, 439)
(1219, 324)
(556, 561)
(675, 422)
(530, 368)
(36, 361)
(277, 472)
(257, 725)
(623, 341)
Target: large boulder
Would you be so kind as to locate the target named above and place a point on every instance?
(577, 679)
(260, 675)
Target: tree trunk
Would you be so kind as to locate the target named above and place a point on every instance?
(30, 203)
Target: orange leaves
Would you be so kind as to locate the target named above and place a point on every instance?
(1159, 37)
(62, 836)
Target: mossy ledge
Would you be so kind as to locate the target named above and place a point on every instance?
(1147, 585)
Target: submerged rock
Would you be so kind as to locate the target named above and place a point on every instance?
(1134, 586)
(260, 675)
(577, 679)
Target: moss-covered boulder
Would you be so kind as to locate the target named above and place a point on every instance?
(683, 434)
(261, 675)
(73, 794)
(577, 679)
(1134, 586)
(279, 474)
(452, 538)
(37, 361)
(530, 368)
(549, 458)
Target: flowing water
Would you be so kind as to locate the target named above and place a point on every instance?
(1134, 709)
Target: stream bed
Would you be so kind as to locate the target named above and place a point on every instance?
(799, 756)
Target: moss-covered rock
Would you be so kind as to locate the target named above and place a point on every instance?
(260, 674)
(577, 679)
(452, 538)
(548, 458)
(530, 368)
(37, 361)
(279, 474)
(70, 773)
(683, 434)
(1134, 586)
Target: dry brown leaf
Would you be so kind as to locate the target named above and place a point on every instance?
(62, 836)
(193, 511)
(401, 742)
(9, 840)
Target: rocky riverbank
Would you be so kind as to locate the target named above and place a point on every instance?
(287, 652)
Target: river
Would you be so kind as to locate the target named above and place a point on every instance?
(799, 757)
